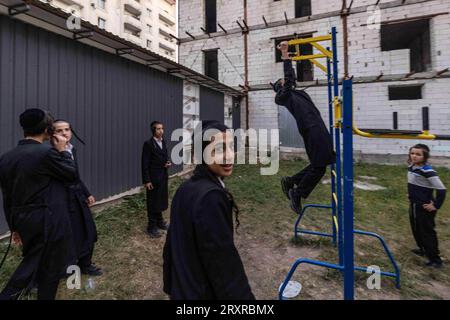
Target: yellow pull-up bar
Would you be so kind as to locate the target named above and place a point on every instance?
(424, 135)
(314, 42)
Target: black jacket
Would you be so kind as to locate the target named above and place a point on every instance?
(35, 200)
(153, 161)
(311, 127)
(201, 261)
(82, 222)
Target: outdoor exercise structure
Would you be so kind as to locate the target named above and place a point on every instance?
(342, 128)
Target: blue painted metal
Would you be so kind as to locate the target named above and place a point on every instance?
(338, 164)
(388, 252)
(347, 131)
(384, 273)
(332, 167)
(345, 205)
(305, 261)
(315, 233)
(300, 216)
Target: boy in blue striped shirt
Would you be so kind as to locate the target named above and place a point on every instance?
(422, 181)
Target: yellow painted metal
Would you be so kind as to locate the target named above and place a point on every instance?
(308, 57)
(335, 198)
(294, 42)
(337, 112)
(319, 65)
(326, 52)
(336, 223)
(423, 136)
(314, 42)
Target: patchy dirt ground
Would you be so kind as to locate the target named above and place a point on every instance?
(132, 262)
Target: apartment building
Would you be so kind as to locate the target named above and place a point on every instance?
(152, 24)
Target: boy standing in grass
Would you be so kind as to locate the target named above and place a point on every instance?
(422, 181)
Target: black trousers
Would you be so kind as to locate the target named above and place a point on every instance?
(307, 179)
(46, 290)
(154, 218)
(86, 260)
(423, 229)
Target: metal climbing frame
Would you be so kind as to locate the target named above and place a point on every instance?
(341, 127)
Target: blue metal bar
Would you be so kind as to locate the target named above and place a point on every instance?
(349, 275)
(300, 216)
(315, 233)
(388, 252)
(306, 261)
(338, 150)
(387, 274)
(332, 167)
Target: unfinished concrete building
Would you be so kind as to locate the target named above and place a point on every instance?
(398, 53)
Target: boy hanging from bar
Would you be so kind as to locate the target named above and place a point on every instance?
(317, 140)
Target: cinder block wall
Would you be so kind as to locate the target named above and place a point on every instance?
(373, 109)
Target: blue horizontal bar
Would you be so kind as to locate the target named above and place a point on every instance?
(307, 261)
(388, 274)
(324, 206)
(315, 233)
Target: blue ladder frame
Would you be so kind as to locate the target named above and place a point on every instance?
(342, 206)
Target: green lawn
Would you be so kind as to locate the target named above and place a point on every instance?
(133, 265)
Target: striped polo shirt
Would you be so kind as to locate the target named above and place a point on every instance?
(422, 181)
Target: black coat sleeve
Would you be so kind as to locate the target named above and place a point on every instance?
(86, 191)
(218, 253)
(7, 208)
(440, 198)
(60, 166)
(145, 162)
(289, 74)
(289, 83)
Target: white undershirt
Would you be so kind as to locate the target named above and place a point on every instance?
(69, 149)
(221, 182)
(159, 142)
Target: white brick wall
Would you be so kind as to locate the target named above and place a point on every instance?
(372, 107)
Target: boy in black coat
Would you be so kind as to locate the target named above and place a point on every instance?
(80, 199)
(33, 177)
(155, 164)
(316, 137)
(201, 261)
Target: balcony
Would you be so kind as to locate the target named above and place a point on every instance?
(166, 18)
(167, 44)
(166, 47)
(164, 33)
(132, 38)
(78, 3)
(132, 23)
(133, 7)
(166, 29)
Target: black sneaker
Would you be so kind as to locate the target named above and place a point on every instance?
(162, 225)
(153, 232)
(296, 201)
(91, 270)
(286, 185)
(418, 252)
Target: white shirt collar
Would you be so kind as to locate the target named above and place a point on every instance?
(221, 182)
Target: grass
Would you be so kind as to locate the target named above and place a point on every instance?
(133, 264)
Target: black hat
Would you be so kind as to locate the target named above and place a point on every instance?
(277, 85)
(30, 118)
